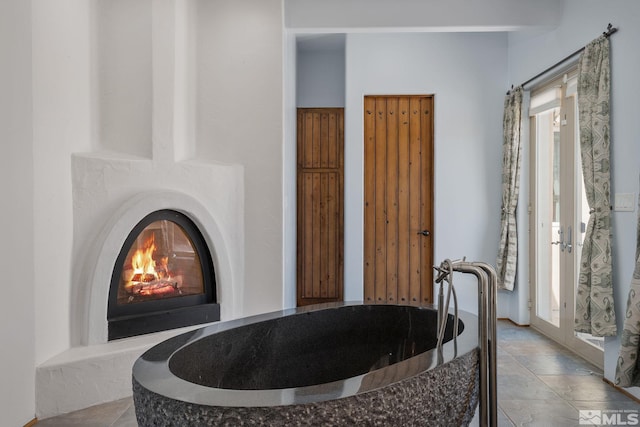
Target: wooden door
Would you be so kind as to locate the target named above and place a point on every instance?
(320, 203)
(398, 199)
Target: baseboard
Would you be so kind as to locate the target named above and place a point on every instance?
(622, 390)
(31, 423)
(506, 319)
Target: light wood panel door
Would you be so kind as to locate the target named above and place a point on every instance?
(320, 204)
(398, 199)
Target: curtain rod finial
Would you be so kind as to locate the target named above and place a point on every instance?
(610, 30)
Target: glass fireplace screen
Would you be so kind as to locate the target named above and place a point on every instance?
(162, 262)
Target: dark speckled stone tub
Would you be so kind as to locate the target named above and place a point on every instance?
(329, 365)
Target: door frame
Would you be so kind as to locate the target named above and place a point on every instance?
(569, 190)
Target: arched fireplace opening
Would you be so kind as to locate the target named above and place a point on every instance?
(163, 278)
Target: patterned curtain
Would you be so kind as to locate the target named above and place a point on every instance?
(594, 301)
(628, 366)
(511, 160)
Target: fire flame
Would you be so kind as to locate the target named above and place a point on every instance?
(147, 277)
(142, 260)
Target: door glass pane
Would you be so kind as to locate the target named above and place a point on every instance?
(548, 214)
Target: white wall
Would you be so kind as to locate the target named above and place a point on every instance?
(289, 170)
(321, 78)
(529, 53)
(239, 119)
(17, 312)
(466, 73)
(408, 15)
(122, 62)
(61, 126)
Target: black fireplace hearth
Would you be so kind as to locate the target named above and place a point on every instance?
(163, 278)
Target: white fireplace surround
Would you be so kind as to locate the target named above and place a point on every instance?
(101, 260)
(111, 194)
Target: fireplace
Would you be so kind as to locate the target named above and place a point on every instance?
(163, 278)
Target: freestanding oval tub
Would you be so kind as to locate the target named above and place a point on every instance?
(329, 365)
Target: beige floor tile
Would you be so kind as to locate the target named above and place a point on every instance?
(582, 388)
(104, 415)
(556, 413)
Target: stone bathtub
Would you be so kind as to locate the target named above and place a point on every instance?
(334, 364)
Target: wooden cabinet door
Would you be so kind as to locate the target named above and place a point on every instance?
(398, 199)
(320, 204)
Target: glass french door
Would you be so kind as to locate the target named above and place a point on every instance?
(559, 216)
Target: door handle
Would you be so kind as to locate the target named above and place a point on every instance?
(561, 241)
(424, 232)
(569, 245)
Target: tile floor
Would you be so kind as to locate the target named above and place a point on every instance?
(543, 384)
(539, 384)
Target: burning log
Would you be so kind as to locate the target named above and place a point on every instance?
(143, 278)
(159, 287)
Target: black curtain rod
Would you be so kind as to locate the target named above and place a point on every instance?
(610, 30)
